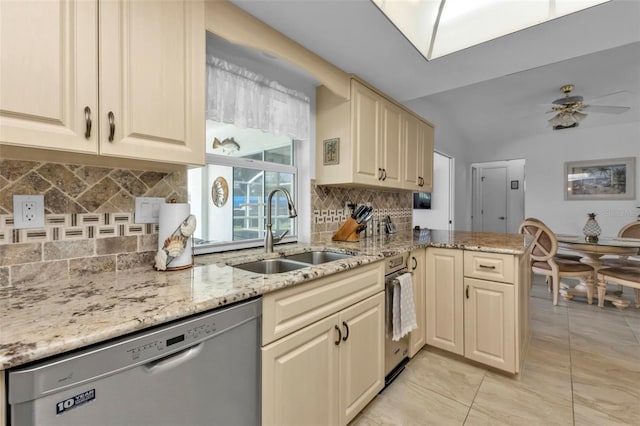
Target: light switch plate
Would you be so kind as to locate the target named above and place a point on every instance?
(28, 211)
(148, 209)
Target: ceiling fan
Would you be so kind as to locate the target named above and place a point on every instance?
(569, 109)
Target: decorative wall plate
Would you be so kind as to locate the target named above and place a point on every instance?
(219, 191)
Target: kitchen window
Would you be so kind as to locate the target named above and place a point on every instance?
(228, 195)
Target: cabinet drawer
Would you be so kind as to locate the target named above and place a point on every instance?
(489, 266)
(288, 310)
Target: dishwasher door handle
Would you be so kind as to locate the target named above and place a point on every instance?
(174, 359)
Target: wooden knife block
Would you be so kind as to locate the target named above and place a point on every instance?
(347, 231)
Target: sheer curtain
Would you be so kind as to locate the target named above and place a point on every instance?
(241, 97)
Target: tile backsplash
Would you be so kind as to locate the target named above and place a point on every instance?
(329, 212)
(89, 219)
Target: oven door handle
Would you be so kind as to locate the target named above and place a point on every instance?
(346, 330)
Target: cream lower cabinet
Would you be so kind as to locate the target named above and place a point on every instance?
(477, 305)
(323, 373)
(116, 78)
(444, 303)
(417, 265)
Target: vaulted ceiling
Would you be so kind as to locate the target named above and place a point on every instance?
(497, 90)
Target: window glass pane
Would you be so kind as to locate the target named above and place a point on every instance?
(242, 217)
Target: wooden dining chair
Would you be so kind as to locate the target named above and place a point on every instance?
(544, 249)
(630, 230)
(628, 276)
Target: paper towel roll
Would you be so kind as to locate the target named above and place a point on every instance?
(170, 218)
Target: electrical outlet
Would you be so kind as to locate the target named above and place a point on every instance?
(28, 211)
(148, 209)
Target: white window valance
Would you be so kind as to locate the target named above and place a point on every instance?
(245, 99)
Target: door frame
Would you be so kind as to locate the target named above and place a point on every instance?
(516, 168)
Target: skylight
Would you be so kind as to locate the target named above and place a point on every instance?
(440, 27)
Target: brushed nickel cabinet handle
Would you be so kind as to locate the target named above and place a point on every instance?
(87, 120)
(337, 342)
(112, 125)
(346, 330)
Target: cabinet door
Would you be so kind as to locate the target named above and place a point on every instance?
(361, 356)
(300, 377)
(49, 74)
(366, 128)
(444, 299)
(152, 80)
(411, 154)
(391, 144)
(417, 262)
(425, 155)
(490, 323)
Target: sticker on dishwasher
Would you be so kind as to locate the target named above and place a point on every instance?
(75, 401)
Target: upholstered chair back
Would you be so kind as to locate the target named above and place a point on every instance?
(545, 244)
(631, 230)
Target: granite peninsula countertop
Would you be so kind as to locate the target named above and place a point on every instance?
(51, 317)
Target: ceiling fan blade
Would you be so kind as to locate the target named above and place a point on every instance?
(606, 109)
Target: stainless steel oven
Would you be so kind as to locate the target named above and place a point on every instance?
(396, 354)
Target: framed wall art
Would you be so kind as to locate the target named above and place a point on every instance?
(331, 151)
(608, 179)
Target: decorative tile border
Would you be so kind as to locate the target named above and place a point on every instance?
(59, 227)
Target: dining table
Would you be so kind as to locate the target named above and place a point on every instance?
(592, 253)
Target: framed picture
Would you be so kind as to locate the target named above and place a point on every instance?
(331, 151)
(609, 179)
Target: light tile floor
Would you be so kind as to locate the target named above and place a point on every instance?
(582, 368)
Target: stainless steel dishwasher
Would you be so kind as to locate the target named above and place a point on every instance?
(202, 370)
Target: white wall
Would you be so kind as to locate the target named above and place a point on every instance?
(450, 142)
(438, 216)
(545, 155)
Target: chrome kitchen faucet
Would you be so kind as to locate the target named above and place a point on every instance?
(269, 238)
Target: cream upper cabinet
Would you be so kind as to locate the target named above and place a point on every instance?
(376, 135)
(49, 74)
(123, 79)
(481, 313)
(391, 144)
(152, 80)
(417, 154)
(444, 304)
(417, 265)
(361, 141)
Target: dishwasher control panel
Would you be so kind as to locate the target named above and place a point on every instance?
(187, 337)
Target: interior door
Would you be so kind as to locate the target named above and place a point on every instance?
(494, 199)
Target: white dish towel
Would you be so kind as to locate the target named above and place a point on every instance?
(404, 309)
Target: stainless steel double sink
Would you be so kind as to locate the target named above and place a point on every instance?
(291, 262)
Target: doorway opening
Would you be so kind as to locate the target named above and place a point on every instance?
(497, 199)
(439, 215)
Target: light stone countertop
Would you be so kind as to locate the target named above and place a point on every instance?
(51, 317)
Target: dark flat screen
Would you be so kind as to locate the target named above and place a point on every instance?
(421, 200)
